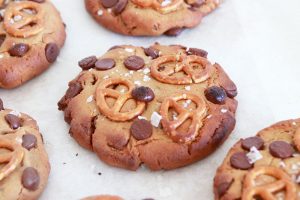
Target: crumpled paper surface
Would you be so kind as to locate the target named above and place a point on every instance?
(256, 42)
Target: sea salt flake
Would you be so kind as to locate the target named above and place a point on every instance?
(100, 12)
(129, 50)
(137, 82)
(17, 18)
(146, 78)
(141, 117)
(294, 123)
(282, 164)
(1, 55)
(188, 88)
(165, 3)
(254, 155)
(131, 72)
(155, 119)
(90, 99)
(109, 10)
(209, 116)
(224, 110)
(105, 77)
(146, 71)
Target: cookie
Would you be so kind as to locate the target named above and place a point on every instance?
(266, 166)
(103, 197)
(31, 35)
(24, 162)
(162, 106)
(150, 17)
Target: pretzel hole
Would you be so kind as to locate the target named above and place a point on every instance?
(4, 151)
(264, 179)
(119, 87)
(184, 127)
(110, 101)
(129, 105)
(172, 114)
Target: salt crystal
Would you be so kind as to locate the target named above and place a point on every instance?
(155, 119)
(146, 71)
(100, 12)
(209, 116)
(165, 3)
(105, 77)
(224, 110)
(282, 164)
(254, 155)
(146, 78)
(142, 117)
(137, 82)
(90, 99)
(129, 50)
(188, 88)
(17, 18)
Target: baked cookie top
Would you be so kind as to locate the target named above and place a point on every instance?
(31, 35)
(24, 166)
(164, 106)
(266, 166)
(149, 17)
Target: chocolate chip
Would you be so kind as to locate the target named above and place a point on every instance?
(222, 188)
(141, 129)
(30, 179)
(19, 50)
(174, 31)
(73, 90)
(134, 63)
(105, 64)
(29, 141)
(120, 6)
(197, 3)
(215, 95)
(142, 93)
(231, 93)
(153, 53)
(281, 149)
(13, 121)
(240, 161)
(1, 105)
(221, 133)
(249, 142)
(2, 38)
(109, 3)
(197, 52)
(88, 63)
(51, 51)
(38, 1)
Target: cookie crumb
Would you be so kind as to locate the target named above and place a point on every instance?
(155, 119)
(254, 155)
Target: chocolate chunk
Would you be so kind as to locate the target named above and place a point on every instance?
(73, 90)
(13, 121)
(222, 132)
(240, 161)
(2, 37)
(51, 52)
(120, 6)
(249, 142)
(88, 63)
(109, 3)
(153, 53)
(197, 52)
(29, 141)
(174, 31)
(215, 95)
(141, 129)
(19, 50)
(38, 1)
(105, 64)
(281, 149)
(134, 63)
(142, 93)
(30, 179)
(231, 93)
(1, 105)
(223, 187)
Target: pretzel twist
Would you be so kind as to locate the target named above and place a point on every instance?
(183, 64)
(195, 115)
(23, 19)
(267, 191)
(12, 158)
(114, 112)
(158, 5)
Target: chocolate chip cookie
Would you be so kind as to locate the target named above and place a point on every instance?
(162, 106)
(266, 166)
(31, 35)
(150, 17)
(103, 197)
(24, 165)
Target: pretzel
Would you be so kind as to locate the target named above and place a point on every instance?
(181, 64)
(170, 5)
(267, 191)
(296, 139)
(114, 113)
(19, 21)
(13, 158)
(196, 115)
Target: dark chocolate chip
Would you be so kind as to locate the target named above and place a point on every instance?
(1, 105)
(29, 141)
(51, 52)
(231, 93)
(141, 129)
(240, 161)
(13, 121)
(30, 179)
(222, 188)
(19, 50)
(197, 52)
(249, 142)
(38, 1)
(153, 53)
(120, 6)
(142, 93)
(215, 95)
(109, 3)
(222, 132)
(73, 90)
(105, 64)
(2, 38)
(281, 149)
(88, 63)
(134, 63)
(174, 31)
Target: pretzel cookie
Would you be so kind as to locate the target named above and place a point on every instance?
(31, 35)
(150, 17)
(266, 166)
(24, 165)
(162, 106)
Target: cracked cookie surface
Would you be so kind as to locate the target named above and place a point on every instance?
(162, 106)
(24, 165)
(266, 166)
(150, 17)
(31, 35)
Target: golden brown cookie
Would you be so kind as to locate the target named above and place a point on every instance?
(24, 165)
(150, 17)
(266, 166)
(31, 35)
(162, 106)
